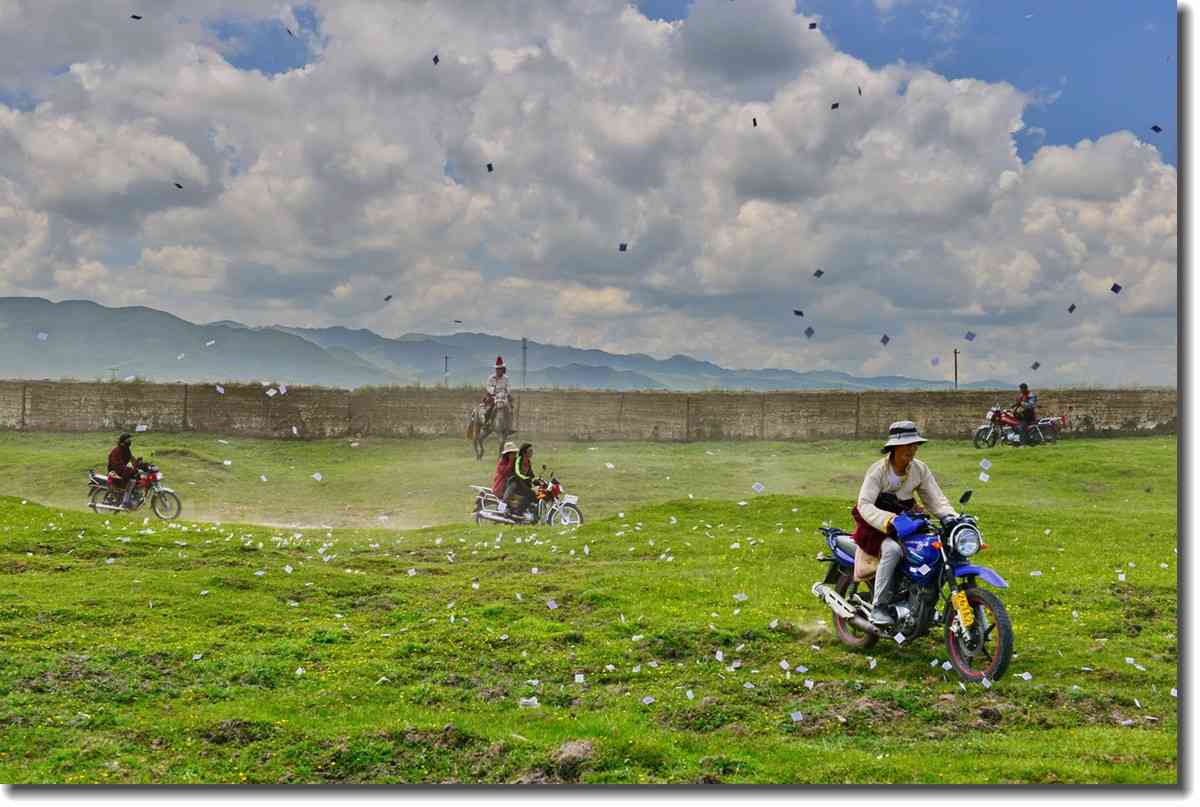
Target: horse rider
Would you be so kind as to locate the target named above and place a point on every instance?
(496, 390)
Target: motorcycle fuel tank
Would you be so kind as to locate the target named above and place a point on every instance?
(921, 557)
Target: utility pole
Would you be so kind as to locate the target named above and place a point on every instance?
(446, 370)
(956, 368)
(524, 354)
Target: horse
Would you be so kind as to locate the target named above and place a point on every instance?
(479, 430)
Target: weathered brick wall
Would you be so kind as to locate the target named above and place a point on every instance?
(811, 415)
(395, 412)
(726, 416)
(569, 415)
(246, 409)
(67, 406)
(600, 415)
(12, 405)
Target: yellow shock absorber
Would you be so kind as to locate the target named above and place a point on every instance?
(965, 614)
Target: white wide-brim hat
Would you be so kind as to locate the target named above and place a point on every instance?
(903, 433)
(509, 448)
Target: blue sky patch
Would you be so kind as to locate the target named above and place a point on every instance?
(264, 45)
(1119, 60)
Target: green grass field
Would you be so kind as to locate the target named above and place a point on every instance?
(197, 652)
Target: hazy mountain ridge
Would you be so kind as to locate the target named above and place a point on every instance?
(85, 340)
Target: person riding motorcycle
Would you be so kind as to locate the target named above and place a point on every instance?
(519, 491)
(1025, 409)
(496, 389)
(122, 463)
(504, 468)
(886, 494)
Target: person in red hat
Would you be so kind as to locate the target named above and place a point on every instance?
(497, 390)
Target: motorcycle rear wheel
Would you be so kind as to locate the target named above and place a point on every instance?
(992, 633)
(99, 496)
(166, 505)
(847, 633)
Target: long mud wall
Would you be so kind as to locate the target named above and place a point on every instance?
(314, 412)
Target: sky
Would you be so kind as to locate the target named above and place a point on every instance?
(997, 168)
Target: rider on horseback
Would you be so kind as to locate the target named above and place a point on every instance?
(496, 391)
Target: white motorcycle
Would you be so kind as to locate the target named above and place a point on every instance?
(552, 505)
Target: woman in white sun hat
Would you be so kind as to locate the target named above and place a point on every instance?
(504, 468)
(887, 490)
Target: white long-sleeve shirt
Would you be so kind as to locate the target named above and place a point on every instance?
(882, 478)
(497, 387)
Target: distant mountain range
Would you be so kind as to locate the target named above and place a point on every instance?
(84, 340)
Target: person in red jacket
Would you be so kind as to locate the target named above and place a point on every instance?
(122, 463)
(504, 469)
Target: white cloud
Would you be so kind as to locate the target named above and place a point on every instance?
(310, 195)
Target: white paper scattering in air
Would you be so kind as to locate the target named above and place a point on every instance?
(609, 466)
(220, 389)
(758, 487)
(317, 476)
(983, 477)
(985, 463)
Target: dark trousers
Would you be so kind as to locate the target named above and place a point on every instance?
(518, 493)
(127, 476)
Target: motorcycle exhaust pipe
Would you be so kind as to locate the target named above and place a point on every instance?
(108, 507)
(864, 625)
(491, 516)
(834, 601)
(842, 608)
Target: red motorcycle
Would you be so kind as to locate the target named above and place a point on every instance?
(107, 492)
(1004, 425)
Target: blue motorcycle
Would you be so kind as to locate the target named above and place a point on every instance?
(935, 584)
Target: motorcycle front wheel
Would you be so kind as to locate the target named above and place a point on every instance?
(166, 505)
(987, 646)
(567, 516)
(846, 632)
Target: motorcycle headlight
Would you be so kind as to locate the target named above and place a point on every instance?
(966, 540)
